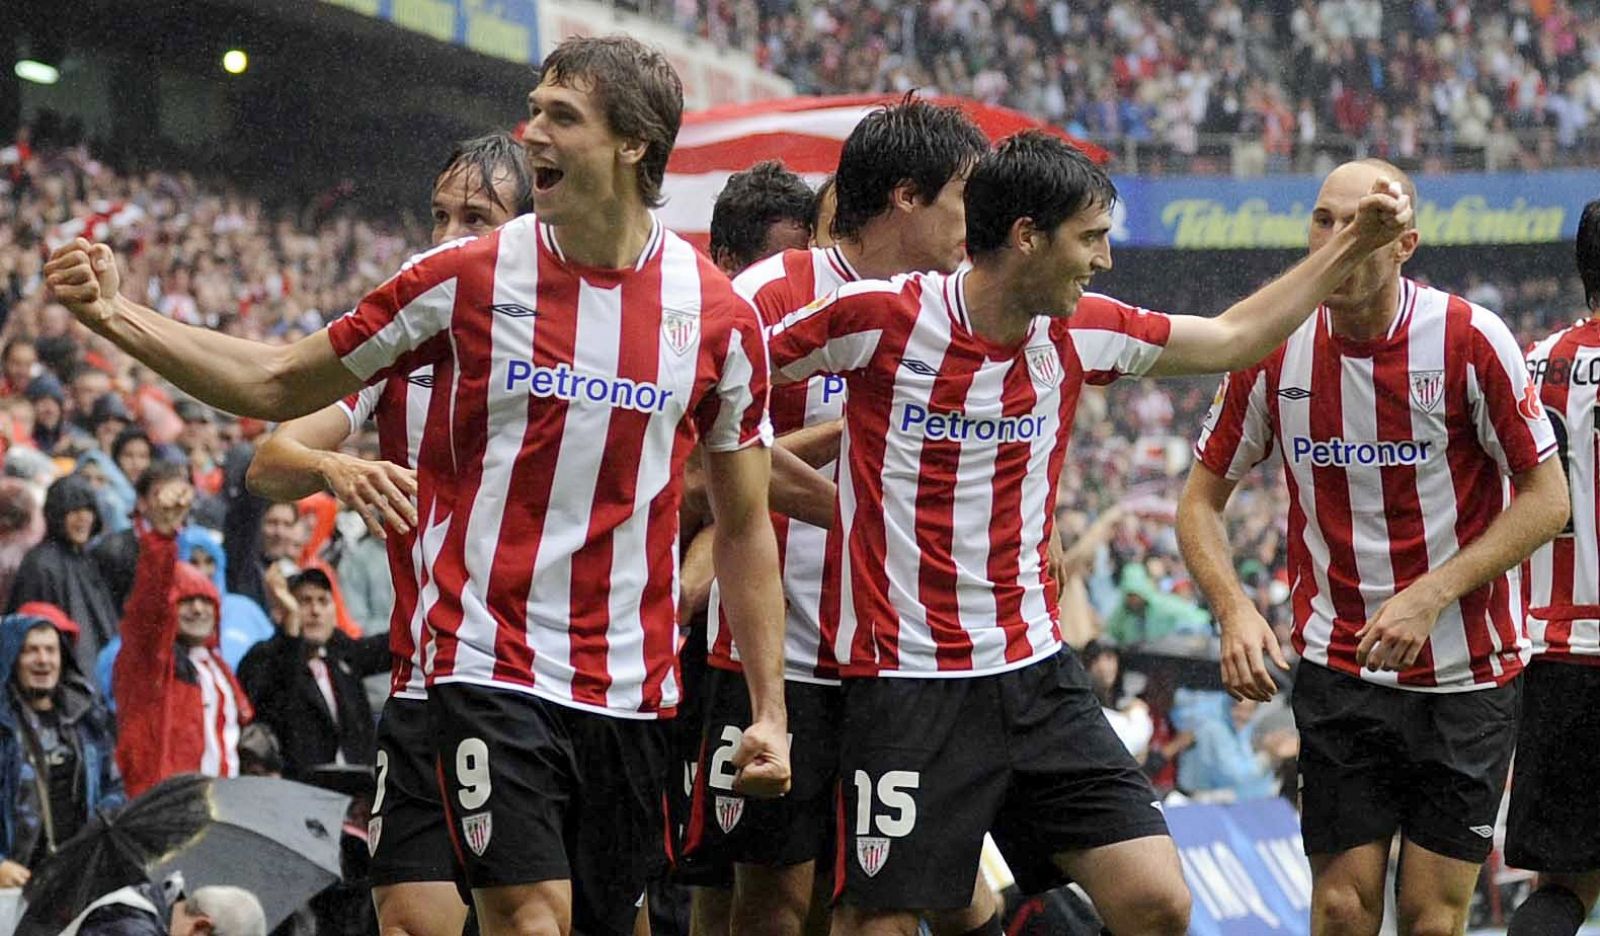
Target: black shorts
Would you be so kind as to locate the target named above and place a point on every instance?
(408, 837)
(725, 828)
(537, 791)
(1375, 760)
(928, 766)
(1554, 810)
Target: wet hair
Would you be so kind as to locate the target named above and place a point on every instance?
(750, 203)
(639, 93)
(490, 156)
(1588, 254)
(1030, 175)
(915, 142)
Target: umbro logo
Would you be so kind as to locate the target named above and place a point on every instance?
(1483, 831)
(420, 380)
(514, 310)
(918, 367)
(1294, 393)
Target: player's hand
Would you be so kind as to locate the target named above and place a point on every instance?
(168, 507)
(1247, 640)
(1394, 637)
(1384, 214)
(762, 760)
(13, 874)
(1057, 557)
(379, 492)
(84, 278)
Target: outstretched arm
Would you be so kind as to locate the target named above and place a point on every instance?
(247, 378)
(1253, 326)
(301, 457)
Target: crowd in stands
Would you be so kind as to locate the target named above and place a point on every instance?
(159, 618)
(1213, 85)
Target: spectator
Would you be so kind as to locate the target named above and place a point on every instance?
(108, 419)
(21, 529)
(1224, 763)
(114, 493)
(1129, 716)
(178, 702)
(50, 428)
(116, 555)
(306, 680)
(244, 624)
(361, 561)
(276, 533)
(60, 570)
(19, 364)
(218, 911)
(132, 452)
(1148, 613)
(57, 763)
(89, 384)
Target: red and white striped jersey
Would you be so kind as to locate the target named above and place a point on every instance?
(219, 712)
(570, 397)
(401, 407)
(777, 286)
(1564, 574)
(1397, 453)
(952, 449)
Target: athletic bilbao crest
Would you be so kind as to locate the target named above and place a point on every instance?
(1427, 389)
(1044, 366)
(476, 830)
(730, 809)
(871, 852)
(679, 329)
(374, 832)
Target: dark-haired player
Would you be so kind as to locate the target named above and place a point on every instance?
(899, 183)
(578, 354)
(963, 713)
(1401, 413)
(485, 182)
(761, 211)
(1554, 814)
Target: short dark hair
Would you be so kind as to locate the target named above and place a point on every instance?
(1030, 175)
(913, 142)
(125, 438)
(750, 203)
(160, 471)
(490, 156)
(641, 95)
(14, 344)
(1588, 253)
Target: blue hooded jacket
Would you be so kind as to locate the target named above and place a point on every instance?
(84, 719)
(242, 623)
(115, 498)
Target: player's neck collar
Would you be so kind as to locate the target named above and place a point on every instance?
(652, 244)
(1405, 306)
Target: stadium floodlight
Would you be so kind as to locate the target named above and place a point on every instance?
(37, 72)
(234, 61)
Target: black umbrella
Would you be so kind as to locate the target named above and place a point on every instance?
(275, 838)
